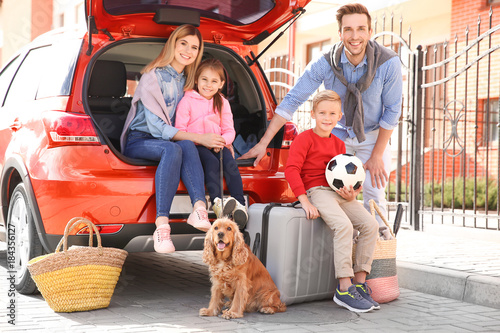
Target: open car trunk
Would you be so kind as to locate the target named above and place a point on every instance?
(116, 73)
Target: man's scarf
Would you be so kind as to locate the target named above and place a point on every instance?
(376, 55)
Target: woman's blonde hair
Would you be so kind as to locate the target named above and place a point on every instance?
(166, 55)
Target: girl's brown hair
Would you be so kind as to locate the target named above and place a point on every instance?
(216, 66)
(166, 55)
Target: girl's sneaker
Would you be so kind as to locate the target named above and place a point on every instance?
(162, 241)
(240, 215)
(229, 206)
(199, 219)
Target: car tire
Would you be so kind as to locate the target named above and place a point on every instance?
(27, 245)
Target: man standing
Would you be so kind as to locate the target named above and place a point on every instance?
(368, 78)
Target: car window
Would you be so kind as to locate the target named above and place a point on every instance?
(59, 69)
(6, 77)
(25, 83)
(45, 72)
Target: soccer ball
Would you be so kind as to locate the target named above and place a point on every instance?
(344, 170)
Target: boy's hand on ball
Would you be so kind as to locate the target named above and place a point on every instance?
(349, 193)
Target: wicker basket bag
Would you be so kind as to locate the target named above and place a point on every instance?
(80, 278)
(383, 279)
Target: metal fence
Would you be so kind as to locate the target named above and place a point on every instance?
(457, 169)
(282, 80)
(446, 150)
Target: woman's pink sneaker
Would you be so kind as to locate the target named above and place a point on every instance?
(199, 219)
(162, 241)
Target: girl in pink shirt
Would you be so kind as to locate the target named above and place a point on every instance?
(205, 110)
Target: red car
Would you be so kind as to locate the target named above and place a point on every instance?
(64, 99)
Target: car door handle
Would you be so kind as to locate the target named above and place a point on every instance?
(16, 125)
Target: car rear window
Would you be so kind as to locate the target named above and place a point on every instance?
(235, 12)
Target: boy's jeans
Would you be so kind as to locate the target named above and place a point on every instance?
(342, 217)
(177, 160)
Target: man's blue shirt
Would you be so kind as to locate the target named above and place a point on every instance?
(381, 101)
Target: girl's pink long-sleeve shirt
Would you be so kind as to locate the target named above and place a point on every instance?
(195, 114)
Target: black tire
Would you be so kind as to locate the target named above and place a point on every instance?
(21, 231)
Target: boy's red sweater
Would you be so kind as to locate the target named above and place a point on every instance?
(307, 160)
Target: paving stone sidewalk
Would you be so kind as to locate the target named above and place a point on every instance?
(451, 261)
(466, 250)
(163, 293)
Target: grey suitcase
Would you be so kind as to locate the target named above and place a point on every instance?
(297, 252)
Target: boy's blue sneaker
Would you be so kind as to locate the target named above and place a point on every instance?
(352, 300)
(365, 291)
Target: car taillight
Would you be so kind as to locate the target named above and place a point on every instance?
(290, 133)
(69, 129)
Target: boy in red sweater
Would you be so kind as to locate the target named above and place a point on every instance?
(305, 172)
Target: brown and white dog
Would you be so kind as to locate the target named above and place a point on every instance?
(236, 273)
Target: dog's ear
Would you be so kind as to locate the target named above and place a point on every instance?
(209, 248)
(240, 253)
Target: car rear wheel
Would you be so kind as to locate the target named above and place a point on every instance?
(21, 230)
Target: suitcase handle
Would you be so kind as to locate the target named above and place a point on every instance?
(256, 245)
(265, 227)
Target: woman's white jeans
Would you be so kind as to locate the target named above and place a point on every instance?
(363, 151)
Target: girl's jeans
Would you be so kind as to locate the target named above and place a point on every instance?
(211, 166)
(177, 160)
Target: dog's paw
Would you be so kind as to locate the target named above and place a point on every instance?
(207, 312)
(268, 310)
(227, 314)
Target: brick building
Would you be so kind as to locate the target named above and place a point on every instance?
(461, 121)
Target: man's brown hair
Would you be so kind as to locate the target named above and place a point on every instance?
(353, 8)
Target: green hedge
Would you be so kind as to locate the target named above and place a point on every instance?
(392, 187)
(447, 189)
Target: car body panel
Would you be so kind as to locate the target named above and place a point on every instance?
(243, 21)
(96, 181)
